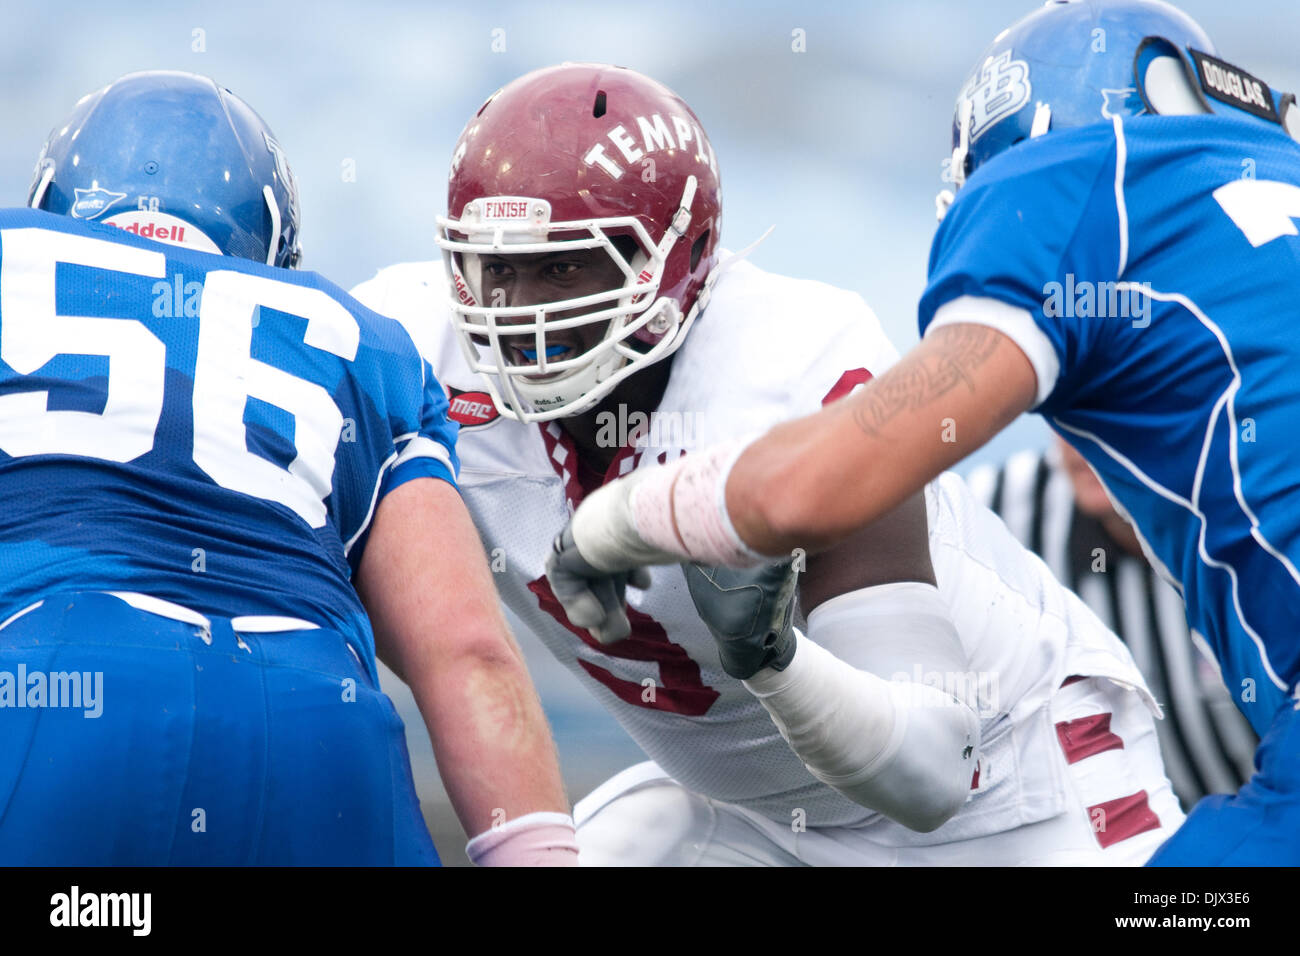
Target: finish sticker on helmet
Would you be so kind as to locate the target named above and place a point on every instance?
(93, 202)
(505, 208)
(493, 211)
(161, 227)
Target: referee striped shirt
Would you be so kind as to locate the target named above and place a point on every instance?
(1208, 746)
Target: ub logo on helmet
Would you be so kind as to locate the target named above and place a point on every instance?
(998, 89)
(1048, 60)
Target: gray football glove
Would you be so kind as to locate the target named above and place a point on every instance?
(592, 598)
(749, 612)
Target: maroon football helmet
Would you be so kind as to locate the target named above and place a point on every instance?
(573, 157)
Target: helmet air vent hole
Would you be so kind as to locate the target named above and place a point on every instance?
(598, 110)
(697, 248)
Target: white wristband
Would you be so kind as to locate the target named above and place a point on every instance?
(664, 515)
(535, 839)
(683, 508)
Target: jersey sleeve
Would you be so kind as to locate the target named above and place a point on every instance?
(771, 348)
(402, 429)
(847, 355)
(406, 294)
(430, 451)
(1034, 228)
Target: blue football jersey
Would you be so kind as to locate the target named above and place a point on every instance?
(1151, 269)
(207, 430)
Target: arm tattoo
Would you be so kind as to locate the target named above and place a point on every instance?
(957, 351)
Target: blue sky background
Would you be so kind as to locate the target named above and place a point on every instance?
(839, 146)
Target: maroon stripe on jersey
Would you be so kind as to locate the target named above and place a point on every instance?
(563, 456)
(1087, 737)
(1116, 820)
(1072, 679)
(579, 478)
(687, 701)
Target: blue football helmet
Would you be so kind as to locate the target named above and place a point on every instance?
(173, 157)
(1077, 62)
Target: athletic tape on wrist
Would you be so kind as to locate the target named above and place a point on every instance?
(682, 508)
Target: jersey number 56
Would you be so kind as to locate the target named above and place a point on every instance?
(32, 333)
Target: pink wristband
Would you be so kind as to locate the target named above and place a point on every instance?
(535, 839)
(683, 508)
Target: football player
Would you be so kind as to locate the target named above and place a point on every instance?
(597, 328)
(1121, 257)
(202, 450)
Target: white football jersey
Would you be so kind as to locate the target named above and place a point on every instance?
(767, 348)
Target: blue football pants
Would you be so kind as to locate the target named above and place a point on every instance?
(1257, 826)
(193, 745)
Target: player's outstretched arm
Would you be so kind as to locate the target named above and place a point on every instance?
(808, 483)
(811, 482)
(425, 582)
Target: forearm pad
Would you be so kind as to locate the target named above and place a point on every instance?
(903, 748)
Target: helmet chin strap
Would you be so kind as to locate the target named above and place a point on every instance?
(957, 165)
(962, 149)
(274, 245)
(720, 270)
(1291, 118)
(942, 201)
(47, 177)
(681, 221)
(1041, 124)
(1042, 121)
